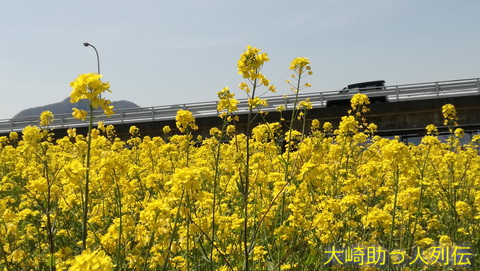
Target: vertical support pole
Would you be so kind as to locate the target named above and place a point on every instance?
(437, 89)
(478, 85)
(153, 114)
(397, 94)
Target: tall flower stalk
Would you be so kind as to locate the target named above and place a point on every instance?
(226, 106)
(301, 68)
(249, 66)
(89, 87)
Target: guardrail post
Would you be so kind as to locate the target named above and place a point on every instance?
(285, 99)
(121, 116)
(11, 126)
(153, 114)
(321, 100)
(478, 85)
(61, 122)
(437, 88)
(397, 94)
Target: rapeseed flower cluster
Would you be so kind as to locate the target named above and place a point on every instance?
(185, 120)
(450, 115)
(46, 118)
(300, 65)
(301, 68)
(96, 260)
(174, 203)
(249, 66)
(89, 86)
(250, 63)
(226, 101)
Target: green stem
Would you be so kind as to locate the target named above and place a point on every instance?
(247, 182)
(187, 254)
(188, 134)
(87, 179)
(303, 124)
(119, 203)
(419, 210)
(177, 215)
(292, 118)
(394, 209)
(51, 243)
(4, 256)
(286, 176)
(222, 255)
(215, 184)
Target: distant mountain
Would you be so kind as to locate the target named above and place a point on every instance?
(66, 107)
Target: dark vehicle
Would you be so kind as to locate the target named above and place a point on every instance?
(367, 88)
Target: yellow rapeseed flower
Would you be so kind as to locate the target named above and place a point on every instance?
(79, 114)
(255, 102)
(315, 124)
(359, 100)
(13, 135)
(46, 118)
(300, 65)
(90, 86)
(92, 260)
(133, 130)
(185, 120)
(305, 104)
(450, 115)
(166, 129)
(250, 63)
(431, 129)
(227, 101)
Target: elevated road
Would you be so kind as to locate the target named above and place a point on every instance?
(409, 109)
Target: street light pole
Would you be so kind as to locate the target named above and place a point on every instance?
(86, 44)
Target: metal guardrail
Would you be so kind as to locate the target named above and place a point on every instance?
(396, 93)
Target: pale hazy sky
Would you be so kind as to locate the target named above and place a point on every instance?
(168, 52)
